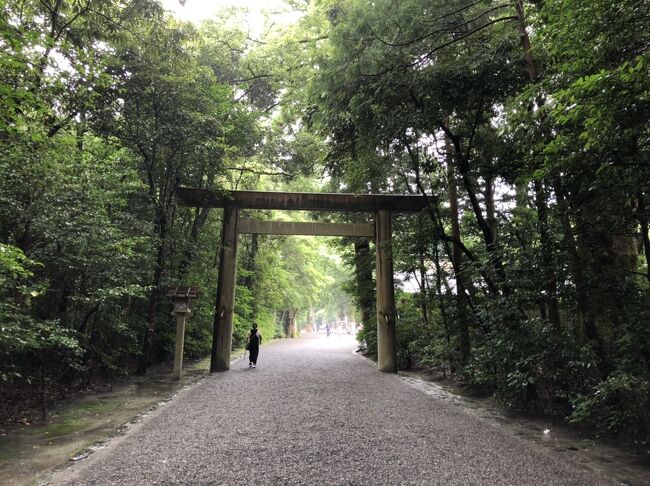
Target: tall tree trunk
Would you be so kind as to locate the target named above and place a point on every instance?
(433, 204)
(441, 301)
(533, 73)
(541, 200)
(490, 210)
(250, 262)
(420, 276)
(42, 391)
(363, 276)
(436, 218)
(81, 129)
(579, 280)
(293, 327)
(154, 296)
(462, 164)
(200, 217)
(282, 319)
(423, 290)
(457, 254)
(645, 237)
(286, 324)
(550, 280)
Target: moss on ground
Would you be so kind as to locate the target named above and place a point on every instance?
(68, 426)
(8, 452)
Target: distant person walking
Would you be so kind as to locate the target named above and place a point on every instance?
(254, 341)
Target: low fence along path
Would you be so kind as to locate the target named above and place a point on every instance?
(313, 412)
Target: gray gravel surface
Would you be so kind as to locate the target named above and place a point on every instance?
(314, 413)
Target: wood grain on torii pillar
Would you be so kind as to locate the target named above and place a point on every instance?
(226, 283)
(386, 333)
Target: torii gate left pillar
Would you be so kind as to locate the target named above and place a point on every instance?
(226, 283)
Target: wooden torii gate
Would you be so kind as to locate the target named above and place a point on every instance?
(382, 205)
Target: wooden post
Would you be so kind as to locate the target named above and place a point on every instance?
(225, 302)
(386, 334)
(180, 339)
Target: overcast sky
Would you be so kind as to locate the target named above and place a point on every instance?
(198, 10)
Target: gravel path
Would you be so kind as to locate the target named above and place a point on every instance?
(314, 413)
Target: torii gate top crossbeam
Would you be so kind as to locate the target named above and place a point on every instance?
(301, 201)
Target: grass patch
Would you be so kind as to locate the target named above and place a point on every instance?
(68, 426)
(8, 452)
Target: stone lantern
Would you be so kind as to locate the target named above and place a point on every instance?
(182, 298)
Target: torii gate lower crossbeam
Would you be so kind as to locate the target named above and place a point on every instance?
(381, 205)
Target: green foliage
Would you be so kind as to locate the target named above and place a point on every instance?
(616, 405)
(288, 274)
(108, 108)
(243, 319)
(419, 96)
(412, 333)
(13, 265)
(31, 349)
(104, 118)
(531, 368)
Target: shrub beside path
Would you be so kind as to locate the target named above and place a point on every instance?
(315, 413)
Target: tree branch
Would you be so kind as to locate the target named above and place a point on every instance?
(509, 18)
(437, 31)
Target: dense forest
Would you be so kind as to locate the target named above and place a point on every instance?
(523, 124)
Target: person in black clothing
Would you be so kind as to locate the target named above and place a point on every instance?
(254, 341)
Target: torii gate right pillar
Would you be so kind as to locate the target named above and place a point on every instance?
(386, 333)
